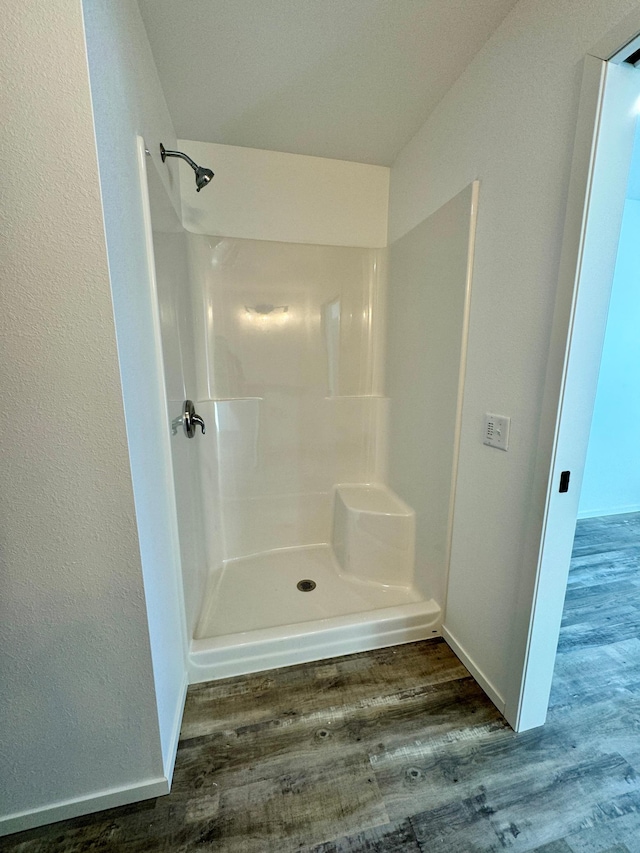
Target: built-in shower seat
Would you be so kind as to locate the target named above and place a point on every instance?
(374, 534)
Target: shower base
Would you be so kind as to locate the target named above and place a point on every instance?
(254, 617)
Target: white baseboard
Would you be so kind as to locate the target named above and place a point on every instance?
(84, 805)
(596, 513)
(169, 759)
(475, 671)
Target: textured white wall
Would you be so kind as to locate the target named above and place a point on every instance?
(77, 706)
(509, 121)
(270, 195)
(128, 100)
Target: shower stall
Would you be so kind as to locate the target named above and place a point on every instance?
(289, 355)
(321, 495)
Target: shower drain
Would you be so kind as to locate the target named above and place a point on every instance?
(306, 585)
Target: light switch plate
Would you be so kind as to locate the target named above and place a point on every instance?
(496, 431)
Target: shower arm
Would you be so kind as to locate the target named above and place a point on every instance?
(203, 175)
(164, 154)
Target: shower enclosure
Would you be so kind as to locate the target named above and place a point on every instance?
(312, 543)
(289, 355)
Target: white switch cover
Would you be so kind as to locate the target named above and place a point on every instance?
(496, 431)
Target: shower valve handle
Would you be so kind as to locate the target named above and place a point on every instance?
(190, 420)
(197, 420)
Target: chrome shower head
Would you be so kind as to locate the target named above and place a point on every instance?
(203, 175)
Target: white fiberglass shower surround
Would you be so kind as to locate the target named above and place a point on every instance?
(326, 485)
(294, 462)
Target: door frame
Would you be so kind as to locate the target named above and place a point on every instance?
(589, 248)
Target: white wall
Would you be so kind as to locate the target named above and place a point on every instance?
(77, 705)
(509, 121)
(128, 100)
(633, 188)
(269, 195)
(611, 482)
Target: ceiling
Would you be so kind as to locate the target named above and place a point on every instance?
(350, 79)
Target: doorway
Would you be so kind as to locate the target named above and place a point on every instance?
(601, 619)
(602, 156)
(611, 481)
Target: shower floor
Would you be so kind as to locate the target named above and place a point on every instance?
(254, 617)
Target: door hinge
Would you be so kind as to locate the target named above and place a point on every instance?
(564, 481)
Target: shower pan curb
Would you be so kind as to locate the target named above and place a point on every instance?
(271, 648)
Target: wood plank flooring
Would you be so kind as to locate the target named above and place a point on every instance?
(399, 750)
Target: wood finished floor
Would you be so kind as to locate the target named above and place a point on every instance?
(399, 750)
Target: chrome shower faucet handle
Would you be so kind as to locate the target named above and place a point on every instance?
(190, 420)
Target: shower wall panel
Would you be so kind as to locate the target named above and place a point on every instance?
(429, 279)
(174, 302)
(288, 363)
(292, 198)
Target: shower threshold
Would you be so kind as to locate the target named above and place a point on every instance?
(255, 616)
